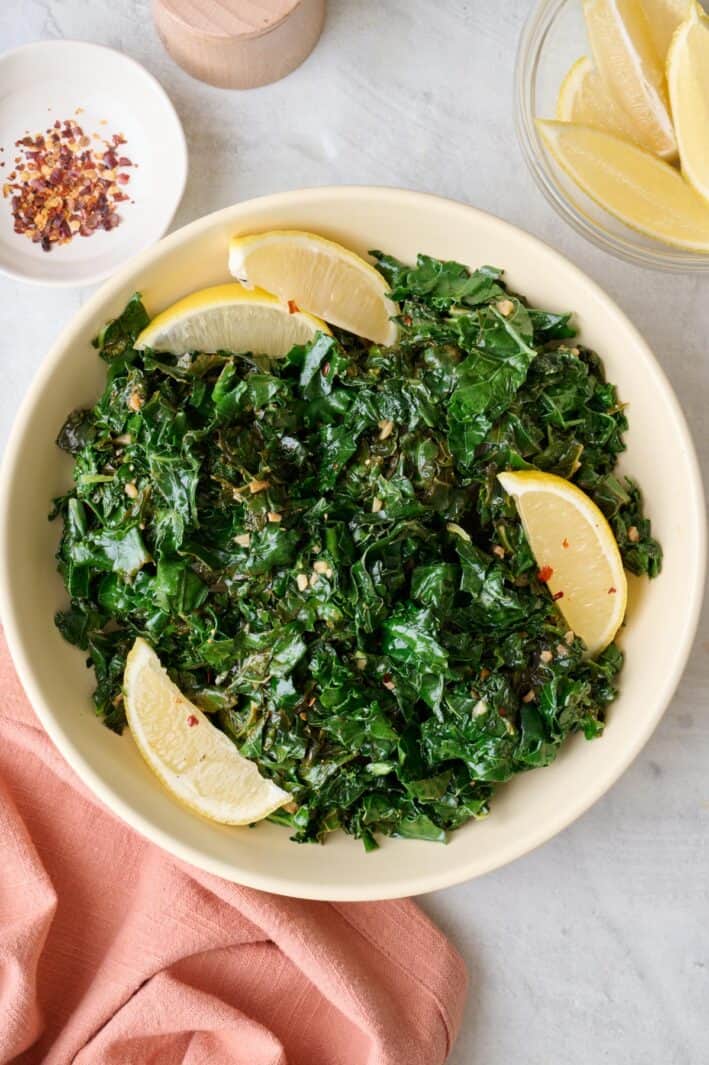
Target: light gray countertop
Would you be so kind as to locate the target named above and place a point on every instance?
(596, 947)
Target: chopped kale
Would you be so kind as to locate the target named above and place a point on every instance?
(321, 554)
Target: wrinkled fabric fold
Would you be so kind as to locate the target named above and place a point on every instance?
(113, 952)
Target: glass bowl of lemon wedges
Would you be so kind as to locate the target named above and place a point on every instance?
(612, 101)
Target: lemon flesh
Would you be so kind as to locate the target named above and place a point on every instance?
(584, 98)
(664, 17)
(688, 80)
(198, 764)
(631, 70)
(230, 318)
(319, 276)
(642, 191)
(574, 545)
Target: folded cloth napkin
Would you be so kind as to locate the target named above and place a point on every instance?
(114, 953)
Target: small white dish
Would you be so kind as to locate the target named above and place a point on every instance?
(106, 93)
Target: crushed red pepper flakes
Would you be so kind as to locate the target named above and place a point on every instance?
(557, 595)
(564, 542)
(545, 573)
(192, 721)
(293, 307)
(612, 591)
(63, 186)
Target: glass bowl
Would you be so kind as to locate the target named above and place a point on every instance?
(553, 38)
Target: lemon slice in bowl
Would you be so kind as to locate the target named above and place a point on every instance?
(584, 98)
(631, 70)
(664, 17)
(575, 551)
(641, 190)
(688, 80)
(198, 764)
(319, 276)
(230, 318)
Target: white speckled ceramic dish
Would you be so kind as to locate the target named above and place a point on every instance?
(662, 614)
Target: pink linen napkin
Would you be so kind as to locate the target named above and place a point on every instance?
(114, 953)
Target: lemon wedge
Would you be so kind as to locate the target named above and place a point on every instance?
(664, 16)
(688, 80)
(230, 318)
(631, 70)
(198, 764)
(576, 552)
(638, 188)
(321, 277)
(584, 98)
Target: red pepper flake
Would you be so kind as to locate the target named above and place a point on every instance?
(326, 369)
(564, 542)
(502, 711)
(545, 573)
(407, 319)
(612, 591)
(192, 721)
(557, 595)
(293, 307)
(63, 187)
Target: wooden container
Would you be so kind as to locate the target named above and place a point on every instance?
(239, 44)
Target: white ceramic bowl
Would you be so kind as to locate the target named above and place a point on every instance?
(662, 614)
(51, 80)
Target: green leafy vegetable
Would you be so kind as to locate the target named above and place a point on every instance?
(321, 553)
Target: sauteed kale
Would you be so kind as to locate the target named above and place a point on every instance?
(320, 553)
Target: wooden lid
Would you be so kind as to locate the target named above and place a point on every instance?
(239, 44)
(230, 18)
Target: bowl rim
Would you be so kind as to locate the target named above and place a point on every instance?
(531, 44)
(181, 160)
(401, 885)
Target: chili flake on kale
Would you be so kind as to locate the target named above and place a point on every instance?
(320, 552)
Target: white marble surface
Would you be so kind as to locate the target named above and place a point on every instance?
(596, 947)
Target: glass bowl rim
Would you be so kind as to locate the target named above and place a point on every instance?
(531, 45)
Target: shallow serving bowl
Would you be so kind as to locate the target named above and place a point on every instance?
(662, 614)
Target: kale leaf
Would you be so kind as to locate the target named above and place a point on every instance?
(321, 554)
